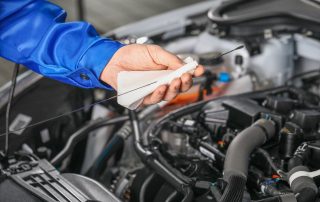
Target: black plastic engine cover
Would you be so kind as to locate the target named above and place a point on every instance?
(39, 181)
(243, 112)
(246, 18)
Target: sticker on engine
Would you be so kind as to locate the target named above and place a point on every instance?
(207, 153)
(45, 135)
(19, 123)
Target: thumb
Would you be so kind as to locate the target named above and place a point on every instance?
(164, 58)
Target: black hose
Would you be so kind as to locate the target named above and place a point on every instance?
(82, 133)
(11, 94)
(149, 159)
(237, 157)
(303, 186)
(117, 141)
(111, 147)
(267, 156)
(109, 150)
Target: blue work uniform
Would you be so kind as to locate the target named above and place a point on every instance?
(34, 33)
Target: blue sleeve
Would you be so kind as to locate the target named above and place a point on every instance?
(34, 33)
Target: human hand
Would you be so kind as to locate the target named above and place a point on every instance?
(138, 57)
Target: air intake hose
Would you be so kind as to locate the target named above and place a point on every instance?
(237, 158)
(302, 183)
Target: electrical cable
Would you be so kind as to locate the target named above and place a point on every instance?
(11, 94)
(81, 10)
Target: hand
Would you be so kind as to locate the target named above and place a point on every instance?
(137, 57)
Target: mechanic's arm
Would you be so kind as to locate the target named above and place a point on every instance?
(34, 33)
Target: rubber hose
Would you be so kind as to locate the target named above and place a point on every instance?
(109, 150)
(237, 157)
(149, 159)
(81, 134)
(304, 187)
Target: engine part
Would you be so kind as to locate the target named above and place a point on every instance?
(236, 161)
(306, 119)
(314, 155)
(300, 157)
(282, 198)
(33, 180)
(291, 137)
(246, 109)
(302, 184)
(280, 104)
(177, 181)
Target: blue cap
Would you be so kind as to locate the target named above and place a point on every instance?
(224, 77)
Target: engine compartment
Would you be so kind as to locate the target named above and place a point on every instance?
(248, 130)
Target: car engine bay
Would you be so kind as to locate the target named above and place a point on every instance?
(248, 130)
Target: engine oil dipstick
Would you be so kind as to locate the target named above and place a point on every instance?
(104, 100)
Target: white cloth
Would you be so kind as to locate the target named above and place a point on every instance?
(130, 80)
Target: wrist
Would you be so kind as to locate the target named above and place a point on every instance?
(109, 76)
(110, 71)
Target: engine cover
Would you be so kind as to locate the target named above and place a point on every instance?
(39, 181)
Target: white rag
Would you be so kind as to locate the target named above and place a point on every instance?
(131, 80)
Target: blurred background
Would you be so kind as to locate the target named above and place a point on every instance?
(106, 15)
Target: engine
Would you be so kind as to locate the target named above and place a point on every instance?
(248, 130)
(253, 147)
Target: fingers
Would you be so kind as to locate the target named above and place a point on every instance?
(163, 57)
(199, 71)
(156, 96)
(173, 89)
(184, 83)
(168, 93)
(186, 80)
